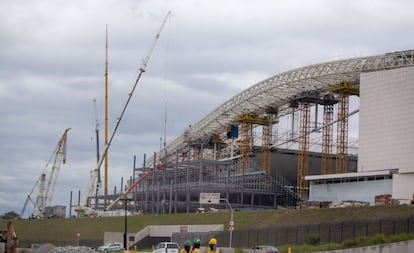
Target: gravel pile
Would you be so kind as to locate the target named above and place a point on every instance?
(72, 249)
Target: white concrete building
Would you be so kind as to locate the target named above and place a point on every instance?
(386, 142)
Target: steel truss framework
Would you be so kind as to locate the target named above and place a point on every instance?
(277, 91)
(176, 189)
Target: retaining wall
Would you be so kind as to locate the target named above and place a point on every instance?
(329, 232)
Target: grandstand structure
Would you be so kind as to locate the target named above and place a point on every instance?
(233, 149)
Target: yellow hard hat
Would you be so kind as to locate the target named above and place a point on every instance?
(213, 241)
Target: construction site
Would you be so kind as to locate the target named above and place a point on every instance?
(240, 151)
(283, 142)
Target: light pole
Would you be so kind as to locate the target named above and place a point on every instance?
(126, 198)
(231, 223)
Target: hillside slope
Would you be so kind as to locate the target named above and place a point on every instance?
(66, 230)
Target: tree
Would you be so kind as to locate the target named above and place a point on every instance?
(10, 216)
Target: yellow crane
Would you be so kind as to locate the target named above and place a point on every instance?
(84, 208)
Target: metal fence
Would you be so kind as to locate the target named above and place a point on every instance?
(328, 232)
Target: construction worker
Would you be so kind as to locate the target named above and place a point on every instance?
(212, 246)
(187, 247)
(196, 245)
(11, 239)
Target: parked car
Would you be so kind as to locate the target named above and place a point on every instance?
(167, 247)
(265, 249)
(115, 246)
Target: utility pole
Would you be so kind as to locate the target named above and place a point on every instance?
(231, 222)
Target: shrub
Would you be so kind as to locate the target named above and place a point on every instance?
(377, 239)
(399, 238)
(313, 239)
(361, 241)
(349, 243)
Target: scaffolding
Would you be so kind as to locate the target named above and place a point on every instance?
(342, 134)
(267, 129)
(327, 134)
(344, 90)
(245, 145)
(247, 120)
(303, 159)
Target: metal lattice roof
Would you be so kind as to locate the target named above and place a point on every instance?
(277, 91)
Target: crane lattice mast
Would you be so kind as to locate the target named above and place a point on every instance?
(45, 196)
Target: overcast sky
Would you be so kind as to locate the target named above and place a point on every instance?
(52, 56)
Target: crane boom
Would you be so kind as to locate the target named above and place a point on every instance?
(44, 197)
(94, 174)
(99, 184)
(60, 158)
(130, 188)
(40, 206)
(147, 58)
(29, 198)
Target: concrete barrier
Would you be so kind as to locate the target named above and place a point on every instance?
(398, 247)
(226, 250)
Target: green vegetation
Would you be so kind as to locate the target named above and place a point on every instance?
(9, 216)
(313, 239)
(358, 242)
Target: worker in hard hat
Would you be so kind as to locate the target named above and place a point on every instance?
(187, 247)
(212, 246)
(196, 245)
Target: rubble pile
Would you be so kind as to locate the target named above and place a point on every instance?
(72, 249)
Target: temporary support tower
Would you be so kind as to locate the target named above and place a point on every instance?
(247, 120)
(327, 133)
(344, 90)
(303, 159)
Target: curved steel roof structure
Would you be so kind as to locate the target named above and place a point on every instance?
(277, 91)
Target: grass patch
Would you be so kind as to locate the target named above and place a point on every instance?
(358, 242)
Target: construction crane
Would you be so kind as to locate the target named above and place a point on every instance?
(99, 183)
(45, 195)
(84, 208)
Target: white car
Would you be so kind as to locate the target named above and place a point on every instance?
(167, 247)
(115, 246)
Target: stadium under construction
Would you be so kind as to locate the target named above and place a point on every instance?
(244, 152)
